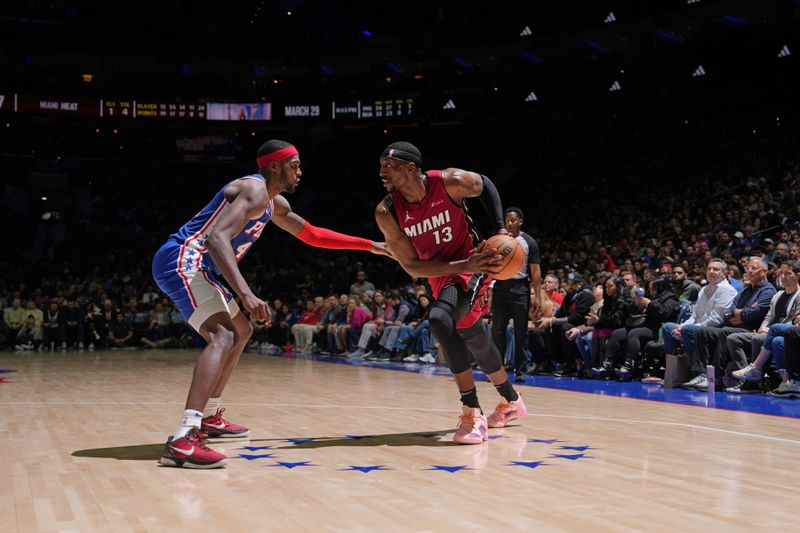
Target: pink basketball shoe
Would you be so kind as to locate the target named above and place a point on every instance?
(505, 412)
(472, 428)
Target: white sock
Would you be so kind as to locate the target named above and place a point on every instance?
(211, 407)
(191, 420)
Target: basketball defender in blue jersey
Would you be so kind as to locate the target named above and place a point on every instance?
(188, 268)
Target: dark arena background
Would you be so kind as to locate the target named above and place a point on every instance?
(644, 143)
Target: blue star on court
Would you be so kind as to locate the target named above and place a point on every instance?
(365, 469)
(527, 464)
(300, 441)
(577, 448)
(545, 441)
(250, 457)
(357, 437)
(293, 465)
(255, 448)
(450, 469)
(571, 457)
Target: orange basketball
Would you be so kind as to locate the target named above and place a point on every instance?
(512, 252)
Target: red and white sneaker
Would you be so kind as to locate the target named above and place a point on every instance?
(472, 427)
(216, 426)
(191, 452)
(505, 412)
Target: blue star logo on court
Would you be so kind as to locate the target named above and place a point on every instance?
(545, 441)
(357, 437)
(527, 464)
(300, 441)
(450, 469)
(365, 469)
(571, 457)
(293, 465)
(250, 457)
(255, 448)
(577, 448)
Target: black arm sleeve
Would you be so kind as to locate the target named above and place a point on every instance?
(490, 200)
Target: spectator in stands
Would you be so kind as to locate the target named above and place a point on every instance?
(306, 326)
(14, 318)
(402, 315)
(712, 308)
(571, 314)
(550, 285)
(53, 327)
(686, 289)
(415, 337)
(120, 335)
(158, 331)
(611, 317)
(790, 386)
(331, 317)
(29, 336)
(750, 308)
(647, 312)
(361, 284)
(356, 318)
(73, 326)
(32, 310)
(784, 309)
(382, 313)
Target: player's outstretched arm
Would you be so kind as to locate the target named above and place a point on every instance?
(247, 199)
(405, 253)
(289, 221)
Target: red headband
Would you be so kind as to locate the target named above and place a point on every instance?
(277, 155)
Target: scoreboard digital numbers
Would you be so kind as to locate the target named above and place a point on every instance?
(369, 109)
(117, 108)
(125, 109)
(169, 110)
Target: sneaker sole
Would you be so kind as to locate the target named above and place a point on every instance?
(187, 464)
(483, 439)
(229, 435)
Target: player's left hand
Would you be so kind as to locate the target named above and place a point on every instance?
(381, 248)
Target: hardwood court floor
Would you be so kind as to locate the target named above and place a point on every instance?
(347, 448)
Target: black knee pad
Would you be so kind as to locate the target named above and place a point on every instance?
(480, 344)
(440, 320)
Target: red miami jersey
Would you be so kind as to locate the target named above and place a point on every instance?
(440, 230)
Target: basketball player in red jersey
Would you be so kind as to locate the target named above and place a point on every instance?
(427, 228)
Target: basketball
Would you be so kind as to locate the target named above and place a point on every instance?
(512, 252)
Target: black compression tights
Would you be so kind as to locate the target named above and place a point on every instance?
(450, 306)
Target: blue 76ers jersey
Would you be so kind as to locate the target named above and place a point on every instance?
(192, 236)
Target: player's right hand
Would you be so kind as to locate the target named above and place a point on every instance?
(483, 260)
(258, 309)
